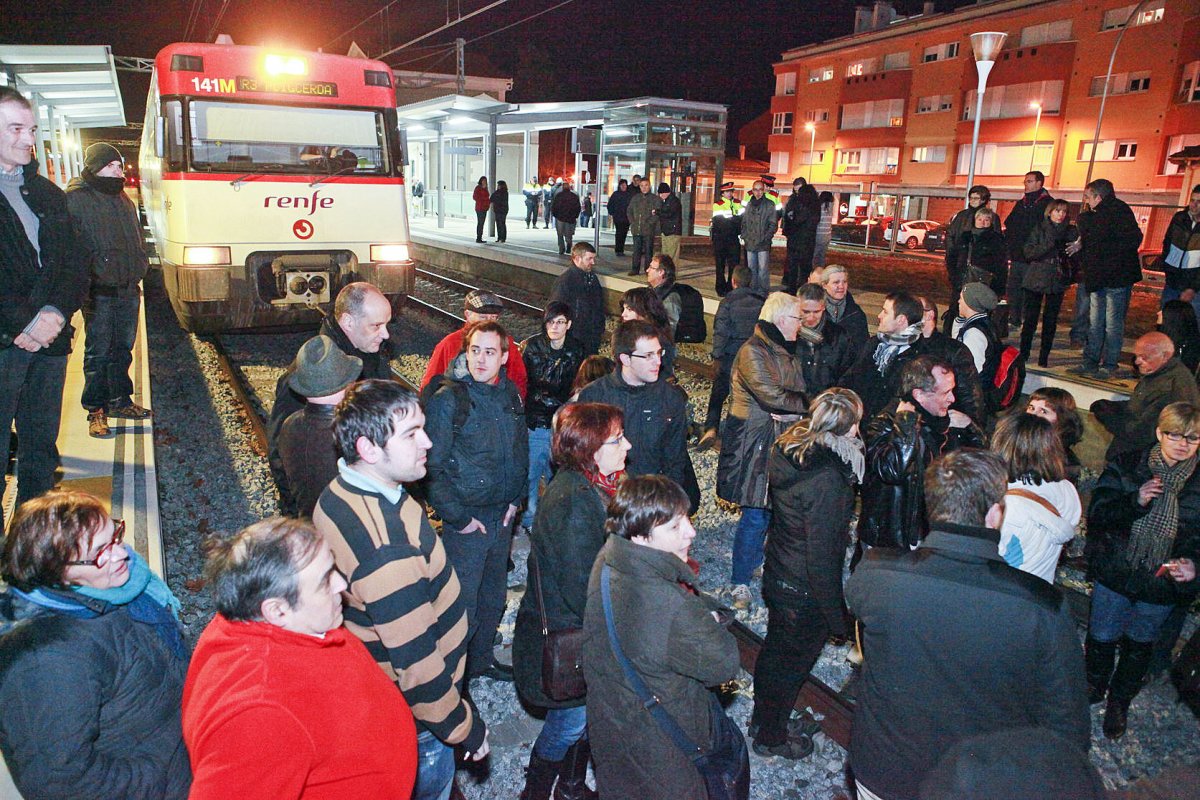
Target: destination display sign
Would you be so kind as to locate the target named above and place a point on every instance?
(284, 85)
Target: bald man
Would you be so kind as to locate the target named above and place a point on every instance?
(1164, 380)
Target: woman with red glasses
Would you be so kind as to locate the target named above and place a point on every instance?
(92, 659)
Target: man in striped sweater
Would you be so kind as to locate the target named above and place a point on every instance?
(403, 599)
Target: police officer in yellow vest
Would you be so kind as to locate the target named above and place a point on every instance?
(726, 224)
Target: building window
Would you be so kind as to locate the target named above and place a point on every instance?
(929, 155)
(1122, 83)
(940, 52)
(896, 60)
(779, 163)
(1047, 32)
(820, 74)
(1108, 150)
(869, 160)
(864, 67)
(816, 115)
(782, 122)
(1174, 145)
(1013, 100)
(818, 157)
(1006, 158)
(785, 84)
(1189, 88)
(1116, 18)
(935, 103)
(873, 114)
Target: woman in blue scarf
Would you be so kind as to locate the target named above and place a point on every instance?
(92, 659)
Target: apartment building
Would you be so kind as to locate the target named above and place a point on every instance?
(894, 102)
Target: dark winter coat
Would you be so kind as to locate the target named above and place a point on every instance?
(759, 220)
(1113, 510)
(485, 464)
(110, 236)
(853, 322)
(956, 643)
(565, 207)
(679, 650)
(618, 206)
(581, 290)
(1132, 422)
(551, 373)
(308, 455)
(766, 379)
(1027, 213)
(287, 402)
(656, 426)
(962, 222)
(499, 200)
(823, 365)
(984, 249)
(568, 532)
(812, 502)
(1184, 235)
(91, 705)
(670, 216)
(734, 323)
(800, 217)
(1045, 252)
(900, 445)
(60, 281)
(1111, 238)
(643, 214)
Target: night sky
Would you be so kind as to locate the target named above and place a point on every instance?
(701, 50)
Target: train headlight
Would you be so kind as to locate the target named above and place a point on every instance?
(278, 64)
(206, 256)
(389, 253)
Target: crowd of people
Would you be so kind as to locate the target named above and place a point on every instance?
(350, 630)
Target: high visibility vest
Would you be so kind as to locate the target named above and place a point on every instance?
(726, 208)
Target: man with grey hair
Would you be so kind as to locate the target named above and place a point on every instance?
(279, 696)
(43, 279)
(987, 627)
(359, 328)
(840, 305)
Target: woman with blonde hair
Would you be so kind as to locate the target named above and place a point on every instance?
(813, 468)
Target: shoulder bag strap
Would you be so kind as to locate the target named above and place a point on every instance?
(651, 703)
(537, 582)
(1037, 498)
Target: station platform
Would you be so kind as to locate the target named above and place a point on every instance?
(529, 260)
(119, 469)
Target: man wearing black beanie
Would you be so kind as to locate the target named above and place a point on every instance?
(111, 239)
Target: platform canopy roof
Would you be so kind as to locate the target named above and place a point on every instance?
(77, 82)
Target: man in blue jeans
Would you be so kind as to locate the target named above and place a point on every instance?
(110, 236)
(1108, 242)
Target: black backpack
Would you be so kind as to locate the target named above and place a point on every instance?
(462, 400)
(1003, 378)
(692, 327)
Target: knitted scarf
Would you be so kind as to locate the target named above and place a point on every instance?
(849, 449)
(605, 483)
(835, 309)
(1152, 535)
(890, 345)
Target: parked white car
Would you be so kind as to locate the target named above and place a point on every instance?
(912, 233)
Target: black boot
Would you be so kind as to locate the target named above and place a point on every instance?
(1099, 658)
(539, 777)
(573, 772)
(1126, 683)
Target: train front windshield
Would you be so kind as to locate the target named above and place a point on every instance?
(251, 138)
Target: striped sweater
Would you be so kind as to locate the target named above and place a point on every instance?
(403, 603)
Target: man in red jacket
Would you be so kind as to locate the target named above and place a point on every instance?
(280, 699)
(479, 306)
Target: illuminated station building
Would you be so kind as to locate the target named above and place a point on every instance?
(889, 110)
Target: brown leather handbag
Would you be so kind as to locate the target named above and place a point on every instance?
(562, 652)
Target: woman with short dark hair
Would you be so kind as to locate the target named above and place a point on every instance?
(589, 447)
(93, 659)
(664, 627)
(1057, 406)
(499, 202)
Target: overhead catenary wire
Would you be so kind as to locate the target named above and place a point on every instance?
(436, 31)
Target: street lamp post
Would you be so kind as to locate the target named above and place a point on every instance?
(1036, 125)
(812, 143)
(986, 46)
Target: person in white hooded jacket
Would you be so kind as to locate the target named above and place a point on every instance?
(1041, 507)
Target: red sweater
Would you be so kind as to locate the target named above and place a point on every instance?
(448, 349)
(482, 198)
(272, 714)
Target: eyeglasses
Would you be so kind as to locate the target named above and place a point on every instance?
(653, 354)
(654, 267)
(102, 558)
(1180, 437)
(620, 437)
(558, 323)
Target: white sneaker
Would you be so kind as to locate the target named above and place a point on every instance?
(741, 596)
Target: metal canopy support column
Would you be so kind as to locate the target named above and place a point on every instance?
(55, 149)
(441, 156)
(525, 173)
(489, 143)
(598, 206)
(78, 151)
(40, 147)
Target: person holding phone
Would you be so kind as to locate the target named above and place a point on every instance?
(1142, 546)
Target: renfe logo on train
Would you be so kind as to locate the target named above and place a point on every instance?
(311, 203)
